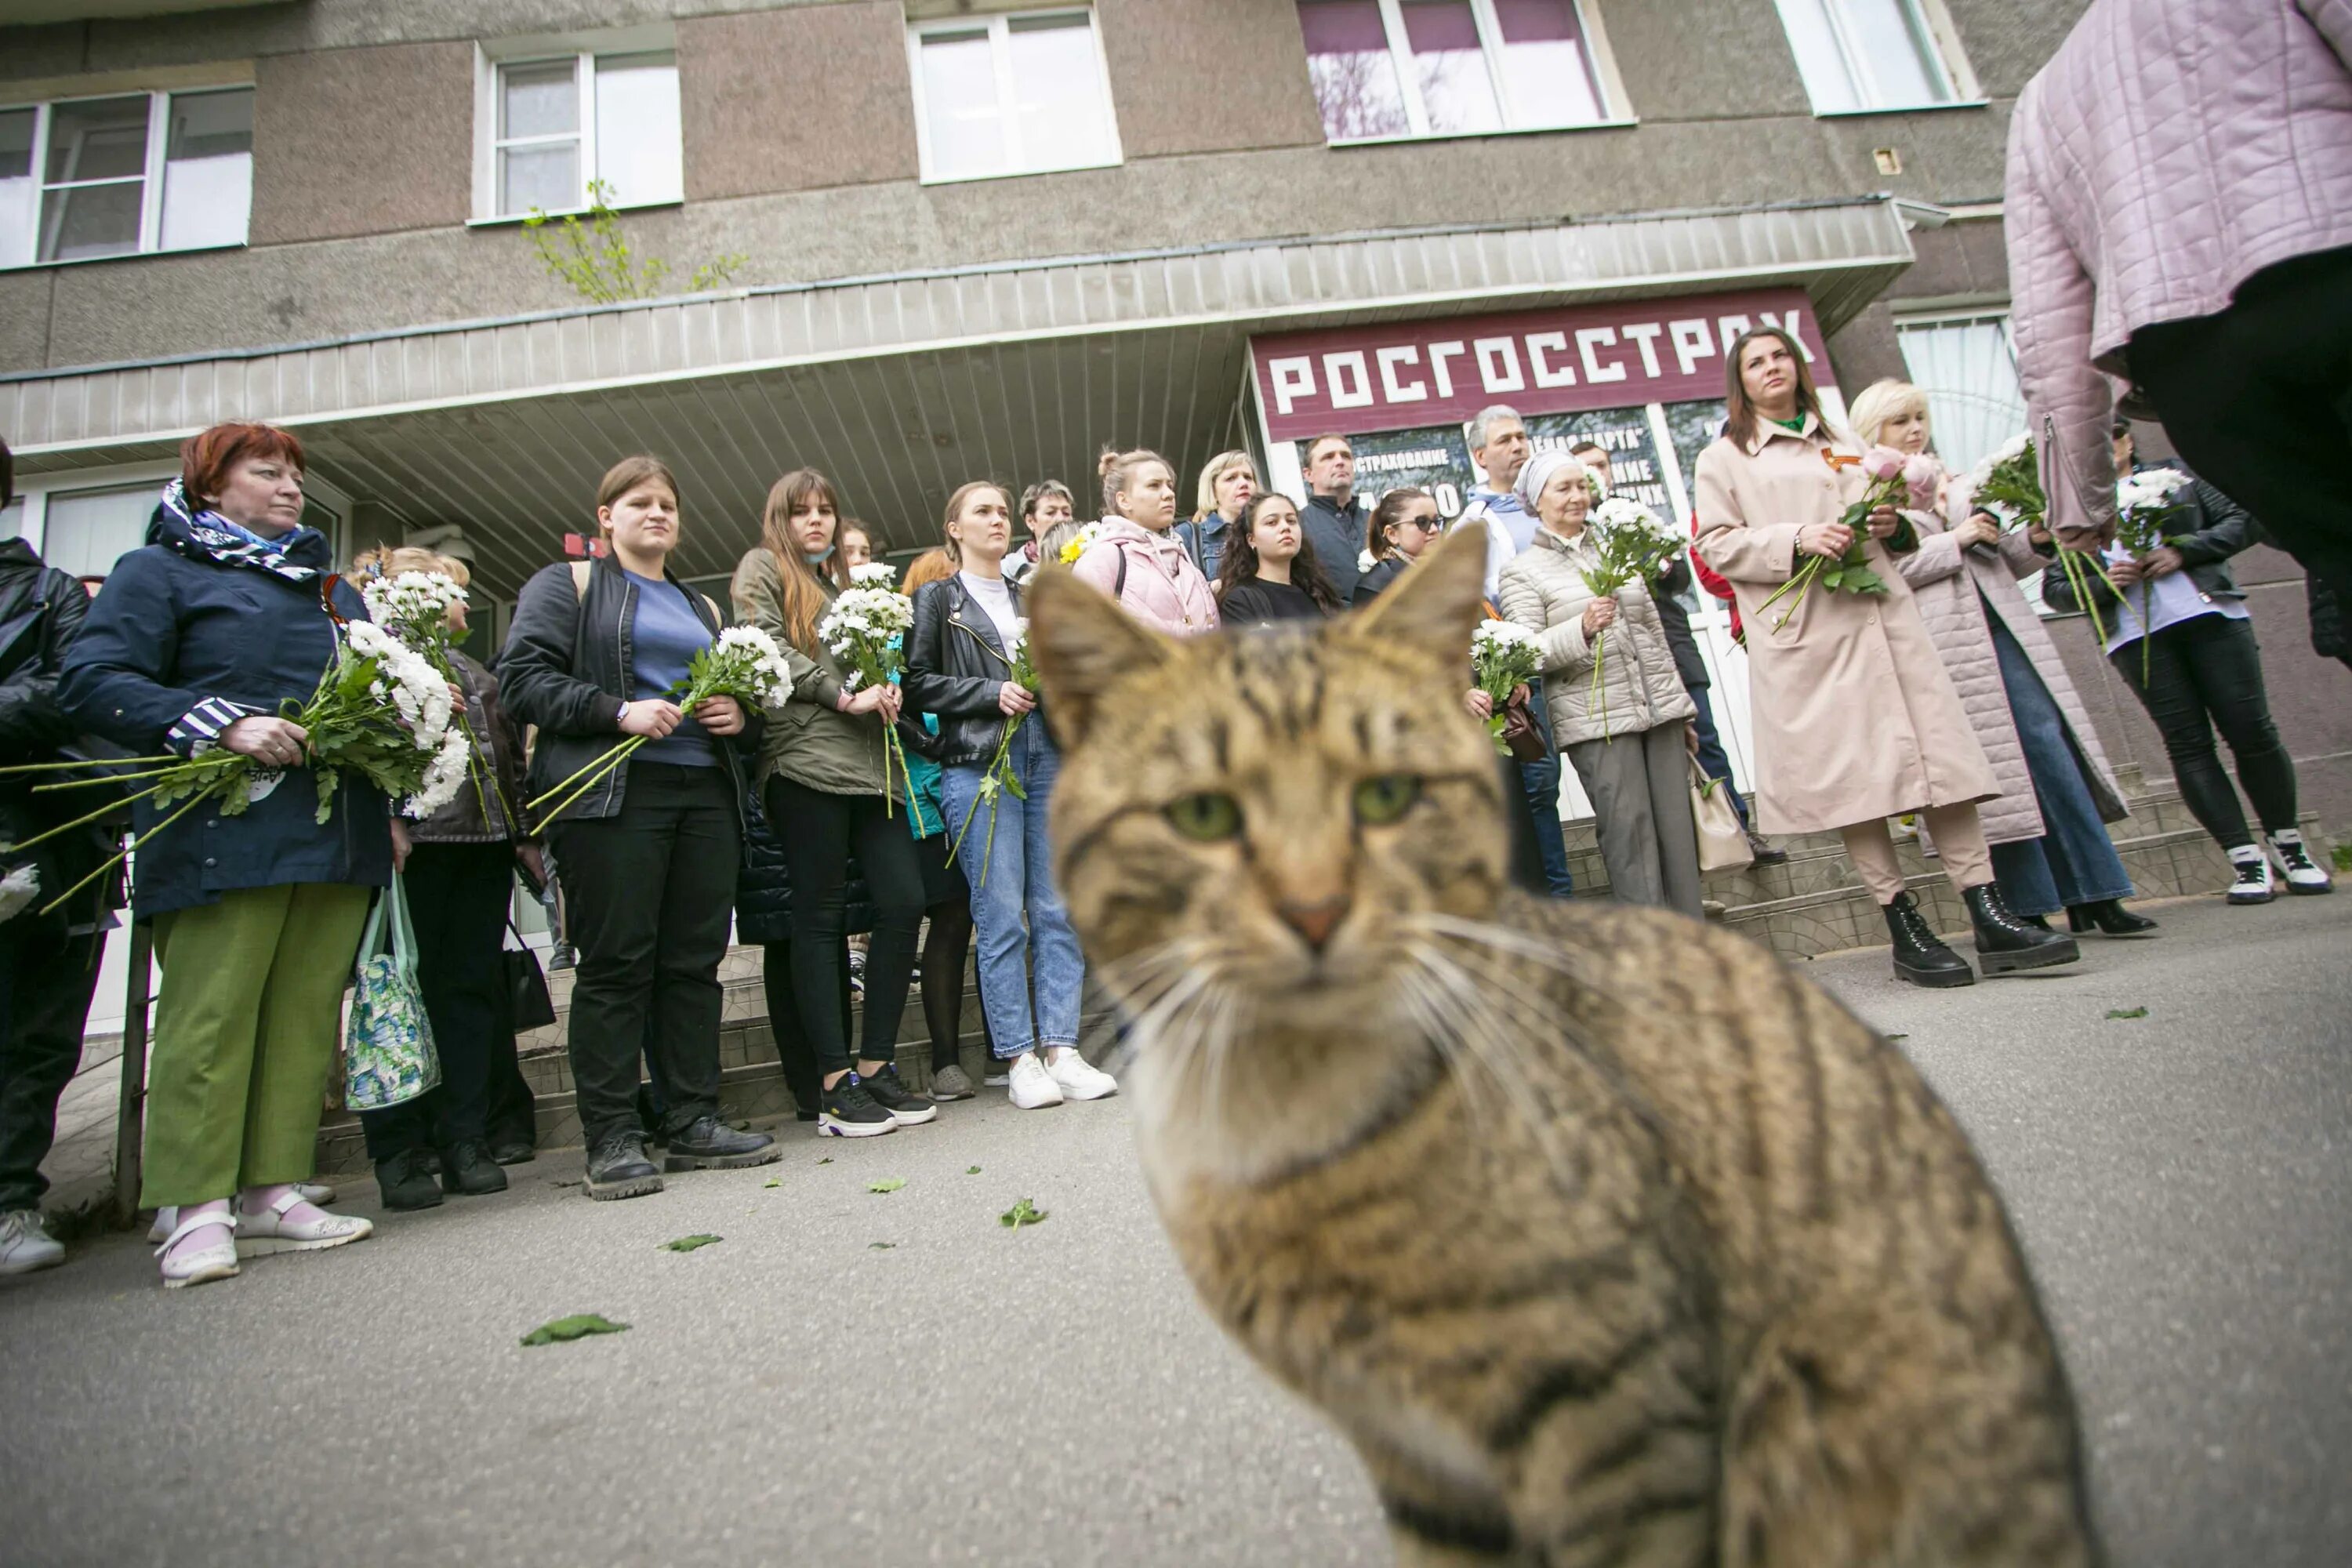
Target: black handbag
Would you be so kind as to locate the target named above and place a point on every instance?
(528, 1005)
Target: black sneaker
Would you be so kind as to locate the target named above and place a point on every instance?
(513, 1151)
(707, 1143)
(469, 1171)
(906, 1107)
(404, 1182)
(846, 1111)
(618, 1166)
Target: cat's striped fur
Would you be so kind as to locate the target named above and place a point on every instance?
(1605, 1236)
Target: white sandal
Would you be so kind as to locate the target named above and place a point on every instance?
(259, 1235)
(198, 1265)
(316, 1194)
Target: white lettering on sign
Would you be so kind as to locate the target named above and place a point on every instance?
(1337, 368)
(1392, 389)
(1789, 327)
(1294, 378)
(1730, 327)
(1390, 462)
(1539, 343)
(1690, 337)
(1643, 335)
(1438, 354)
(1593, 369)
(1494, 353)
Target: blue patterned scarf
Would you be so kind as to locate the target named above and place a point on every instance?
(202, 534)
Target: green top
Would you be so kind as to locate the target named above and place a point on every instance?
(1798, 424)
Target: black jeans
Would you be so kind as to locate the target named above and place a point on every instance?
(2204, 674)
(2258, 398)
(818, 832)
(946, 949)
(650, 896)
(46, 981)
(458, 895)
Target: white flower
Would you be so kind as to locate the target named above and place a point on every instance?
(1497, 635)
(18, 888)
(1080, 542)
(444, 775)
(749, 665)
(873, 574)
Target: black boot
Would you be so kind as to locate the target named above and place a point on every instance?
(1919, 956)
(2109, 915)
(2005, 944)
(468, 1169)
(405, 1183)
(1767, 853)
(707, 1143)
(618, 1166)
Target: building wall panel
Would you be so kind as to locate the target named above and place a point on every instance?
(796, 99)
(358, 141)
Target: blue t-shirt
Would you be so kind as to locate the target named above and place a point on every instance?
(664, 638)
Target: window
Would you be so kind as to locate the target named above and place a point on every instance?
(126, 176)
(557, 125)
(1449, 67)
(1967, 368)
(1024, 94)
(85, 531)
(1866, 54)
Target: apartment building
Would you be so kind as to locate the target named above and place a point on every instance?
(972, 238)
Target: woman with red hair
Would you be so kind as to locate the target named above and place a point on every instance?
(229, 611)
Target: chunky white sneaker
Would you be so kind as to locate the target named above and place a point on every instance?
(1030, 1085)
(26, 1243)
(1080, 1079)
(274, 1229)
(2303, 873)
(2252, 885)
(317, 1194)
(216, 1259)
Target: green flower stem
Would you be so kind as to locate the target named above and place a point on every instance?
(1597, 692)
(108, 779)
(996, 766)
(603, 765)
(1802, 582)
(92, 763)
(193, 801)
(106, 810)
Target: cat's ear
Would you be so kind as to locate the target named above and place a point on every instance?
(1435, 606)
(1083, 644)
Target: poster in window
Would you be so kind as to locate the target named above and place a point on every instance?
(1625, 434)
(1436, 459)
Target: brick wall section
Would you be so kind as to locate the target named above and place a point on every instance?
(357, 141)
(796, 100)
(1207, 76)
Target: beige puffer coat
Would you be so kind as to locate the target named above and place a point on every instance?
(1543, 590)
(1952, 587)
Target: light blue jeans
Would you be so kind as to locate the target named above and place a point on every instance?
(1015, 909)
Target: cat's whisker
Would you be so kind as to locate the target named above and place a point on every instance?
(1461, 1026)
(1496, 1048)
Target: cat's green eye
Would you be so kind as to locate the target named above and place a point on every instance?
(1386, 798)
(1207, 816)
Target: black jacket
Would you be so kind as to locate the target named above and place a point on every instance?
(1675, 621)
(1337, 535)
(568, 667)
(955, 664)
(1258, 603)
(41, 614)
(487, 809)
(2212, 528)
(167, 632)
(1374, 582)
(2328, 639)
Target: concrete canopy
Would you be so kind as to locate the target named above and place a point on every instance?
(900, 387)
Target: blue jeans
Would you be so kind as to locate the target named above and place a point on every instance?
(1712, 757)
(2074, 861)
(1542, 781)
(1011, 878)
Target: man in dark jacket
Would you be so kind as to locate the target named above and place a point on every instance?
(1334, 517)
(48, 963)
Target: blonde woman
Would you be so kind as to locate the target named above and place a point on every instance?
(1228, 485)
(2050, 843)
(1135, 557)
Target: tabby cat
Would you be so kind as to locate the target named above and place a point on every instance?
(1602, 1236)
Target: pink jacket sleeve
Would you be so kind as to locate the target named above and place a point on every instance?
(2069, 406)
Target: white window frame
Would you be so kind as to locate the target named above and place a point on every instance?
(998, 27)
(1607, 87)
(1930, 21)
(33, 491)
(491, 60)
(150, 202)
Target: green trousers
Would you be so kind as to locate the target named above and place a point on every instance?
(245, 1032)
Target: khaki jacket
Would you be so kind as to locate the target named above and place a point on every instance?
(811, 743)
(1543, 589)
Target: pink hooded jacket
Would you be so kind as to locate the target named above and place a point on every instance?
(2170, 150)
(1163, 588)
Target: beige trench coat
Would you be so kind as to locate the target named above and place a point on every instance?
(1854, 717)
(1953, 587)
(1543, 589)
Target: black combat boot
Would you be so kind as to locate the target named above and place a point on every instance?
(1920, 957)
(618, 1166)
(2005, 944)
(707, 1143)
(467, 1171)
(404, 1183)
(2107, 915)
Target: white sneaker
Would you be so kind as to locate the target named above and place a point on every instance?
(317, 1194)
(2253, 884)
(2303, 874)
(1030, 1085)
(197, 1265)
(26, 1243)
(272, 1231)
(996, 1079)
(1080, 1079)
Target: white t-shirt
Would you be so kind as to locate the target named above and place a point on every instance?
(992, 596)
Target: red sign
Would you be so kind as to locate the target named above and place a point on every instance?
(1358, 379)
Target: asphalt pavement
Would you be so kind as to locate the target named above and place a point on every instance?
(897, 1378)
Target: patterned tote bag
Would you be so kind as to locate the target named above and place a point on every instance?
(388, 1045)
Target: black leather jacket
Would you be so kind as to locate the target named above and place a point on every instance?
(41, 614)
(2212, 528)
(955, 664)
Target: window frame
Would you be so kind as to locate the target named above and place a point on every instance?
(1608, 91)
(491, 62)
(998, 26)
(1930, 25)
(33, 491)
(154, 169)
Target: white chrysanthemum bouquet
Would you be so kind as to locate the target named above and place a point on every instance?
(865, 632)
(2145, 504)
(744, 664)
(1632, 544)
(873, 574)
(414, 607)
(1504, 656)
(1000, 776)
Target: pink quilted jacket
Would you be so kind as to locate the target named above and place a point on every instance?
(1163, 588)
(2170, 150)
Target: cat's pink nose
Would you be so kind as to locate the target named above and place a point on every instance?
(1314, 922)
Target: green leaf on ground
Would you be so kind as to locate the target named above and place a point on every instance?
(2127, 1012)
(775, 1181)
(972, 1170)
(826, 1160)
(881, 1245)
(579, 1326)
(886, 1185)
(1892, 1037)
(1021, 1214)
(2342, 855)
(689, 1243)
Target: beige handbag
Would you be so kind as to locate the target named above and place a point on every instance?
(1722, 843)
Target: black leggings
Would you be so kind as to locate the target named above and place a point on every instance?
(947, 948)
(795, 1052)
(819, 831)
(2204, 674)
